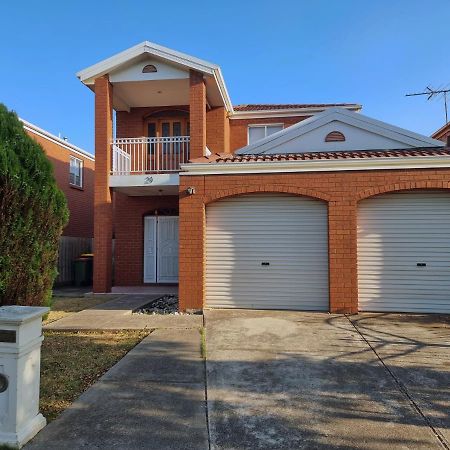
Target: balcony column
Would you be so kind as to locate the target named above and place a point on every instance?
(102, 194)
(197, 112)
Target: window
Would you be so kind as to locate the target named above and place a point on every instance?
(149, 68)
(257, 132)
(335, 136)
(76, 172)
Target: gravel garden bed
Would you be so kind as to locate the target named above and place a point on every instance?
(166, 304)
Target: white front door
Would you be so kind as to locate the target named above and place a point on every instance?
(150, 249)
(161, 249)
(167, 261)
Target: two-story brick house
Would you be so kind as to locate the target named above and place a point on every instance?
(74, 173)
(261, 206)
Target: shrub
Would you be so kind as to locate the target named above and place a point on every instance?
(33, 213)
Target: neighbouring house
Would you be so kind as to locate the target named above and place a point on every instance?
(74, 173)
(443, 134)
(309, 207)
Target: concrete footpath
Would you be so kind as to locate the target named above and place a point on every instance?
(154, 398)
(118, 314)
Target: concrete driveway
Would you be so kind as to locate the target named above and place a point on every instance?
(285, 380)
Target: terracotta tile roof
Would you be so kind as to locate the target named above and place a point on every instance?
(354, 154)
(273, 107)
(442, 133)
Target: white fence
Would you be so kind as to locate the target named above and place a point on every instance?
(146, 155)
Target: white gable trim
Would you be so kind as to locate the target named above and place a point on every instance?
(55, 139)
(88, 75)
(404, 137)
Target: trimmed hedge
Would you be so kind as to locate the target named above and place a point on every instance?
(33, 213)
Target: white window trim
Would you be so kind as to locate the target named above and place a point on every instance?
(262, 125)
(81, 163)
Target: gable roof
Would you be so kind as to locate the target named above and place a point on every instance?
(57, 140)
(283, 106)
(442, 133)
(226, 163)
(289, 139)
(88, 75)
(229, 158)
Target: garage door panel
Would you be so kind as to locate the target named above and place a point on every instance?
(288, 232)
(395, 233)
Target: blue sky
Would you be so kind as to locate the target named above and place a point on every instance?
(369, 52)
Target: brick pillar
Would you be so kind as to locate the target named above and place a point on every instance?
(197, 113)
(191, 244)
(218, 130)
(342, 245)
(102, 194)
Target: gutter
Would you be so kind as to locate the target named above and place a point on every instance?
(419, 162)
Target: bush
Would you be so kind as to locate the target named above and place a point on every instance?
(33, 213)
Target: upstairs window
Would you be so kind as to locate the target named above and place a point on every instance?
(257, 132)
(149, 68)
(76, 172)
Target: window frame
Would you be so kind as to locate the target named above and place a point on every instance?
(263, 125)
(80, 164)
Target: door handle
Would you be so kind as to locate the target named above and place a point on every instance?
(421, 264)
(265, 263)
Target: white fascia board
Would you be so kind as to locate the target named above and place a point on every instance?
(223, 90)
(57, 140)
(420, 162)
(390, 131)
(88, 75)
(153, 179)
(297, 112)
(358, 120)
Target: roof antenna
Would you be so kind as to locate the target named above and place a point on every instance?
(430, 92)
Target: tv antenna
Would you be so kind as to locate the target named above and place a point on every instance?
(431, 93)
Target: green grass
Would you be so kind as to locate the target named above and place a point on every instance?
(65, 306)
(71, 361)
(203, 342)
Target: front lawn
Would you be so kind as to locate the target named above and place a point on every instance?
(72, 361)
(65, 306)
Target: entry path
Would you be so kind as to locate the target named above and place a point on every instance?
(118, 314)
(154, 398)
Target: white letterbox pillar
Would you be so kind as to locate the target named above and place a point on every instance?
(20, 360)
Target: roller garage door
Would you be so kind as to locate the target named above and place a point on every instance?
(404, 252)
(267, 251)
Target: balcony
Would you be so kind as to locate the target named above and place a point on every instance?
(148, 166)
(140, 156)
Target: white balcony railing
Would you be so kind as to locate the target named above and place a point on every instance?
(149, 155)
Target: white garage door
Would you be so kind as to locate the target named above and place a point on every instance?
(267, 251)
(404, 252)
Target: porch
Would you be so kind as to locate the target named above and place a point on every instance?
(149, 155)
(148, 165)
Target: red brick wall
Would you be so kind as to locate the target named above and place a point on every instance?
(129, 215)
(79, 201)
(132, 124)
(102, 192)
(197, 103)
(341, 190)
(239, 128)
(218, 130)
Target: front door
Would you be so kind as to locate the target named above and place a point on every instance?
(161, 249)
